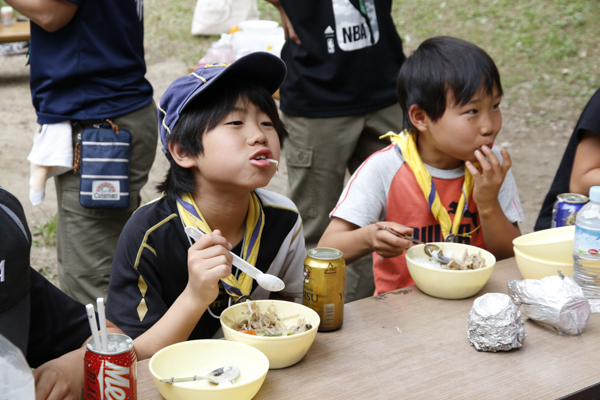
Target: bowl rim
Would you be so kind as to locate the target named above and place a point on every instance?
(452, 271)
(537, 260)
(275, 338)
(516, 241)
(209, 388)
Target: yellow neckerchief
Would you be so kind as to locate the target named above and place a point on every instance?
(255, 221)
(406, 145)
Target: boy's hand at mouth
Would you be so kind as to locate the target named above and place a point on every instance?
(488, 178)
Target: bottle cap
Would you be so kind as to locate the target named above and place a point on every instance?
(595, 193)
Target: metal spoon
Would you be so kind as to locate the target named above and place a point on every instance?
(436, 253)
(431, 250)
(267, 281)
(217, 376)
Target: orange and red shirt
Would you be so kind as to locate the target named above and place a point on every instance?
(384, 188)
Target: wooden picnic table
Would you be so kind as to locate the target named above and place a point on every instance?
(17, 32)
(408, 345)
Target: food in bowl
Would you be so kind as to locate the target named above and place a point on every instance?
(268, 323)
(468, 261)
(284, 350)
(449, 284)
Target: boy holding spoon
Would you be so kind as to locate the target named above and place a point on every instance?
(222, 136)
(442, 178)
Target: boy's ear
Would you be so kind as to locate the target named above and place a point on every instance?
(418, 117)
(180, 156)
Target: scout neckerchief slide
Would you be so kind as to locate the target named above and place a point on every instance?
(255, 221)
(406, 145)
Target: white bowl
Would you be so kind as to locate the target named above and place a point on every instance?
(199, 357)
(553, 245)
(449, 284)
(534, 268)
(282, 351)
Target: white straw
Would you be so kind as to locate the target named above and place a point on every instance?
(273, 161)
(92, 318)
(102, 318)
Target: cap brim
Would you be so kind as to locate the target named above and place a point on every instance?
(259, 66)
(14, 323)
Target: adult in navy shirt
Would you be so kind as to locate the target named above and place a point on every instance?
(87, 65)
(579, 169)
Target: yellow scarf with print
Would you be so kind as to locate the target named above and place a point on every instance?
(406, 145)
(255, 221)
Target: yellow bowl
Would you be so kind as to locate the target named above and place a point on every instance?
(449, 284)
(555, 245)
(199, 357)
(533, 268)
(282, 351)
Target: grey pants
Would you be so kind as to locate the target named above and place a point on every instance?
(87, 238)
(319, 151)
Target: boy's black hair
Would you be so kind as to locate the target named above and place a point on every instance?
(203, 114)
(443, 66)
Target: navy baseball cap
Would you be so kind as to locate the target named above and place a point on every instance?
(263, 67)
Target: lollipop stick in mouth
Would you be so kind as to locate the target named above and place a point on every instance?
(274, 162)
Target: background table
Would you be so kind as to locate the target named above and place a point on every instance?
(405, 344)
(17, 32)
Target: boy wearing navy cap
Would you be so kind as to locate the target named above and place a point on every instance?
(222, 136)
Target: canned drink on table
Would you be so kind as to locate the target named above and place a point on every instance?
(566, 207)
(111, 375)
(324, 286)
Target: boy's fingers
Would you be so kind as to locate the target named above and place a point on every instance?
(507, 163)
(211, 239)
(474, 171)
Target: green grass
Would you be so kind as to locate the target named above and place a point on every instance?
(46, 231)
(546, 47)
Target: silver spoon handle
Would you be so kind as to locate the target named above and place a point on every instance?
(186, 379)
(401, 235)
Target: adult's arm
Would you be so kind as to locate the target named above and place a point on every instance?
(288, 28)
(63, 377)
(51, 15)
(586, 165)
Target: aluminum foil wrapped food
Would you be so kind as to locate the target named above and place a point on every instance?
(554, 301)
(494, 323)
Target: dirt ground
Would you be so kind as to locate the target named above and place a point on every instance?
(535, 145)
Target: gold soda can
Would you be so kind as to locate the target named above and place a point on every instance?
(324, 286)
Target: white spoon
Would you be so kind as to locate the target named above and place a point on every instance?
(267, 281)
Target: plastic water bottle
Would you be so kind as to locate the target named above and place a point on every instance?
(16, 378)
(586, 249)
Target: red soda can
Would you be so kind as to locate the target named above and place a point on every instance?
(111, 375)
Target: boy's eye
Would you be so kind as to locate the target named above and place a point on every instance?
(235, 123)
(472, 111)
(496, 106)
(267, 123)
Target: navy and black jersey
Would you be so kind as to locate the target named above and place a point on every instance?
(150, 270)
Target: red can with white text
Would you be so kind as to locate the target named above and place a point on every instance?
(111, 375)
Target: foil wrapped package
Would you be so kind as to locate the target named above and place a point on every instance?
(494, 324)
(554, 301)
